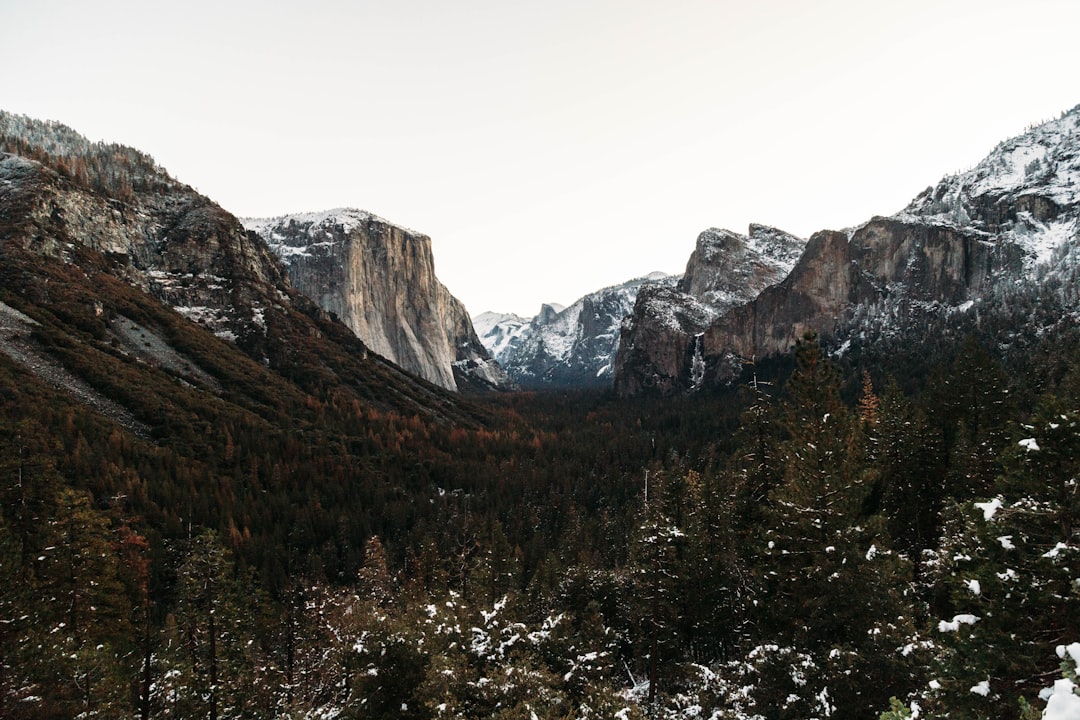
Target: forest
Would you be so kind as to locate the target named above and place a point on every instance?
(820, 539)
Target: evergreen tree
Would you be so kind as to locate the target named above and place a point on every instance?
(830, 585)
(1007, 564)
(909, 488)
(223, 671)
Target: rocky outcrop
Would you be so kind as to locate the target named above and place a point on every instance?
(661, 346)
(379, 279)
(885, 266)
(1011, 222)
(171, 242)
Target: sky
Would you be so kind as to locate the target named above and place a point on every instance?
(551, 148)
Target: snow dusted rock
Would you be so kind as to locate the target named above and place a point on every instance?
(562, 347)
(662, 340)
(498, 331)
(1010, 222)
(379, 279)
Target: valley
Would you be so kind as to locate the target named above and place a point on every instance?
(269, 468)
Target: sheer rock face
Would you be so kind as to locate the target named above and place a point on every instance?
(885, 263)
(661, 344)
(1012, 221)
(379, 279)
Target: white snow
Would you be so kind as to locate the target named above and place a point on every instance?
(983, 688)
(974, 587)
(989, 508)
(348, 219)
(1063, 699)
(1072, 650)
(1055, 551)
(1062, 702)
(1029, 444)
(956, 622)
(1006, 542)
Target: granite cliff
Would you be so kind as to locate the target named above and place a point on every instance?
(379, 279)
(661, 346)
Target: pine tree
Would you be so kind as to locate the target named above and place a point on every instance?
(909, 488)
(1007, 563)
(216, 627)
(831, 588)
(655, 567)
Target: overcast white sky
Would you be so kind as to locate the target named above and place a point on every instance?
(550, 148)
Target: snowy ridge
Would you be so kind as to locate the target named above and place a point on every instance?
(780, 248)
(1038, 173)
(679, 312)
(313, 225)
(498, 331)
(561, 346)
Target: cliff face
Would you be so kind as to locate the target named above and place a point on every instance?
(661, 345)
(887, 265)
(1012, 222)
(379, 279)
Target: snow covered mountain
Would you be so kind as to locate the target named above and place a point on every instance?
(999, 237)
(573, 346)
(1026, 193)
(498, 331)
(379, 279)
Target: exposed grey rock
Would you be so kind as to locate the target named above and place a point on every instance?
(379, 279)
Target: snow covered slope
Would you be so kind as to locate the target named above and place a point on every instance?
(1026, 193)
(564, 347)
(498, 331)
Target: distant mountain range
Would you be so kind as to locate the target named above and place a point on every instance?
(1008, 228)
(560, 346)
